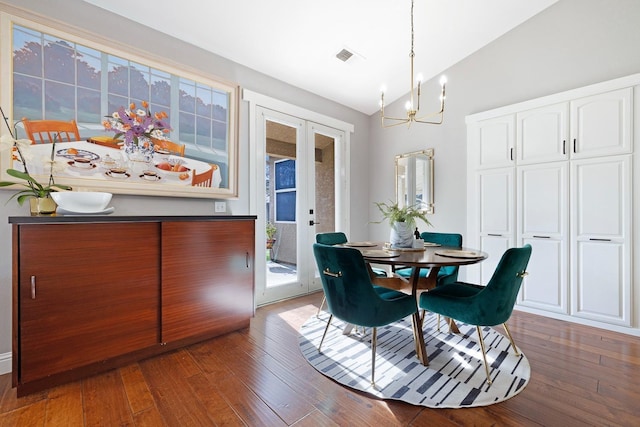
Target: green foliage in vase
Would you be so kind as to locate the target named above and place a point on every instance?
(393, 213)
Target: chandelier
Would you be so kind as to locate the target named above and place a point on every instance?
(413, 109)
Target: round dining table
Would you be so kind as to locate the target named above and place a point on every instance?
(431, 256)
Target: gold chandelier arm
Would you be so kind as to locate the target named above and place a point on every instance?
(400, 122)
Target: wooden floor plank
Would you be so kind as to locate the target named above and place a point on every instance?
(105, 401)
(64, 406)
(257, 376)
(136, 388)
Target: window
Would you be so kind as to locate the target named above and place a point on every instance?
(285, 188)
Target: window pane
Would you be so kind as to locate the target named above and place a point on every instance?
(204, 132)
(88, 106)
(118, 76)
(161, 92)
(27, 97)
(220, 136)
(116, 102)
(59, 61)
(27, 52)
(221, 106)
(139, 81)
(203, 101)
(187, 128)
(88, 65)
(59, 101)
(285, 174)
(187, 96)
(286, 206)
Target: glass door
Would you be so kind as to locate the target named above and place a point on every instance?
(299, 201)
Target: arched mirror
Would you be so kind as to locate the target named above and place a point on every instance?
(414, 180)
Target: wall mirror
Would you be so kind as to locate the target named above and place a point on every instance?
(414, 180)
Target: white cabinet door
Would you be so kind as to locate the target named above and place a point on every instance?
(602, 124)
(542, 134)
(543, 223)
(496, 142)
(601, 235)
(497, 216)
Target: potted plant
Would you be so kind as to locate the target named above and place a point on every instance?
(270, 229)
(402, 221)
(39, 195)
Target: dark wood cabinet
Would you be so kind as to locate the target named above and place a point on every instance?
(91, 296)
(211, 290)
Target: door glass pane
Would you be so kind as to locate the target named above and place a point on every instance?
(325, 183)
(281, 203)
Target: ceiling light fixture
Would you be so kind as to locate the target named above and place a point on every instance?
(413, 109)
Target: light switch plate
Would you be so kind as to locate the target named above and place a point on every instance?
(220, 206)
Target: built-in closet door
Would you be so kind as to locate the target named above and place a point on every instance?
(543, 223)
(542, 134)
(495, 142)
(497, 216)
(601, 235)
(602, 124)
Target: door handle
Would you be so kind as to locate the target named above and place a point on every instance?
(312, 222)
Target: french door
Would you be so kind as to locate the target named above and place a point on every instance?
(296, 177)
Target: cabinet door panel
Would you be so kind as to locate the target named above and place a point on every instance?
(95, 294)
(602, 124)
(546, 285)
(496, 201)
(207, 277)
(601, 284)
(543, 200)
(542, 134)
(496, 141)
(494, 246)
(601, 191)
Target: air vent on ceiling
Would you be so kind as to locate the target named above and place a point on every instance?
(344, 55)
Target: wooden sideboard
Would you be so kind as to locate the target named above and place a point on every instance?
(94, 293)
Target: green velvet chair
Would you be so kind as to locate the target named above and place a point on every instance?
(448, 274)
(352, 297)
(338, 238)
(489, 305)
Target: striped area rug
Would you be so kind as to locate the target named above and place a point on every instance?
(455, 377)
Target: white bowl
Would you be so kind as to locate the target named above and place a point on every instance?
(82, 201)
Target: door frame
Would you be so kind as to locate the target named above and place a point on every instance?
(257, 170)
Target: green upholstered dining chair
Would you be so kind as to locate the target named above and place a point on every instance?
(448, 274)
(352, 297)
(488, 305)
(338, 238)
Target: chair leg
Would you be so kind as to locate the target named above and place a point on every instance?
(324, 298)
(513, 344)
(484, 354)
(374, 342)
(325, 332)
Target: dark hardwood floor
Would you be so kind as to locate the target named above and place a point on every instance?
(258, 377)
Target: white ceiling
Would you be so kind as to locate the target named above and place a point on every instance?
(296, 40)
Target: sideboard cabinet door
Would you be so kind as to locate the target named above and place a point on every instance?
(207, 278)
(87, 293)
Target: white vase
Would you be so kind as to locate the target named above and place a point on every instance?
(401, 235)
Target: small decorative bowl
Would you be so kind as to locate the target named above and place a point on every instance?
(82, 201)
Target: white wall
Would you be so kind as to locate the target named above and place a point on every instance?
(76, 13)
(573, 43)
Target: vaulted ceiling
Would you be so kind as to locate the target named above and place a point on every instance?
(297, 41)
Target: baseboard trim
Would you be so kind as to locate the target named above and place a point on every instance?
(5, 363)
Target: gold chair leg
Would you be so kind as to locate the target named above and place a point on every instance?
(513, 344)
(484, 354)
(324, 298)
(374, 342)
(325, 332)
(438, 322)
